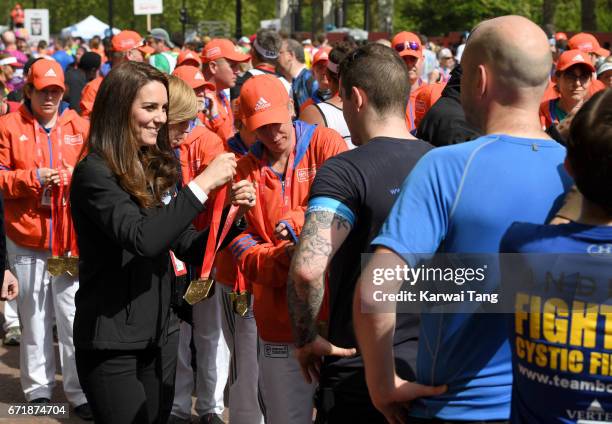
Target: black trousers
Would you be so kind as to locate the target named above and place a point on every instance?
(133, 386)
(335, 407)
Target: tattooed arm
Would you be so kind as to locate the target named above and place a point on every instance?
(323, 233)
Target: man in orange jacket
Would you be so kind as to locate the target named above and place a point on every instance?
(39, 146)
(221, 66)
(127, 45)
(282, 165)
(408, 46)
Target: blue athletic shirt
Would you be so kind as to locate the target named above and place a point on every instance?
(462, 198)
(562, 357)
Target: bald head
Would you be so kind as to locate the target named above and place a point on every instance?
(8, 37)
(513, 48)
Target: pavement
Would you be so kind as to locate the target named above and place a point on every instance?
(11, 393)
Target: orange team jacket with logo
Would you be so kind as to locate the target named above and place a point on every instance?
(88, 95)
(223, 123)
(197, 151)
(22, 151)
(411, 106)
(264, 260)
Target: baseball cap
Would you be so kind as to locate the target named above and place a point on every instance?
(219, 48)
(46, 72)
(127, 40)
(264, 100)
(192, 76)
(560, 36)
(322, 55)
(161, 34)
(188, 57)
(587, 43)
(570, 58)
(605, 66)
(11, 60)
(407, 44)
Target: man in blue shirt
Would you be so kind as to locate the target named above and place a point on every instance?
(291, 64)
(462, 199)
(65, 59)
(568, 379)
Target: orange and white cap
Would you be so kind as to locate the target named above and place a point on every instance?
(46, 73)
(264, 100)
(188, 57)
(407, 44)
(127, 40)
(587, 43)
(221, 48)
(574, 57)
(193, 77)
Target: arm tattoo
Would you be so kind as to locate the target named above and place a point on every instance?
(312, 255)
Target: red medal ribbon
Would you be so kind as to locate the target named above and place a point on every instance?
(63, 238)
(215, 223)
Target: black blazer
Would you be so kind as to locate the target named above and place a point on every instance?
(126, 278)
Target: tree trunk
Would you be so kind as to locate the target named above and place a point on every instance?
(588, 18)
(548, 12)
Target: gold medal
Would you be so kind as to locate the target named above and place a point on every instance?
(199, 290)
(72, 266)
(241, 305)
(56, 266)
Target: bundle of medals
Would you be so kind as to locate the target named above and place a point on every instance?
(64, 249)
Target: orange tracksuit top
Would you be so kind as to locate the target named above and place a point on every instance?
(260, 256)
(27, 222)
(411, 106)
(88, 95)
(195, 154)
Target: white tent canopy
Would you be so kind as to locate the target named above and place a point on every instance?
(87, 28)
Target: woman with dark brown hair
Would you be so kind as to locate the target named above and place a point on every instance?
(129, 215)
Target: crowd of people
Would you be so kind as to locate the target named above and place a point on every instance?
(186, 219)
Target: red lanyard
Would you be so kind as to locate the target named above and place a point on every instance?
(287, 184)
(240, 282)
(211, 249)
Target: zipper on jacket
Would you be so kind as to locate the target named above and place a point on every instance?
(281, 178)
(50, 166)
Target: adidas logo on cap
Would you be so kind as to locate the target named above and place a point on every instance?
(262, 104)
(198, 76)
(189, 56)
(23, 137)
(578, 58)
(50, 73)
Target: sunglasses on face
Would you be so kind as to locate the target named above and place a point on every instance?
(408, 45)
